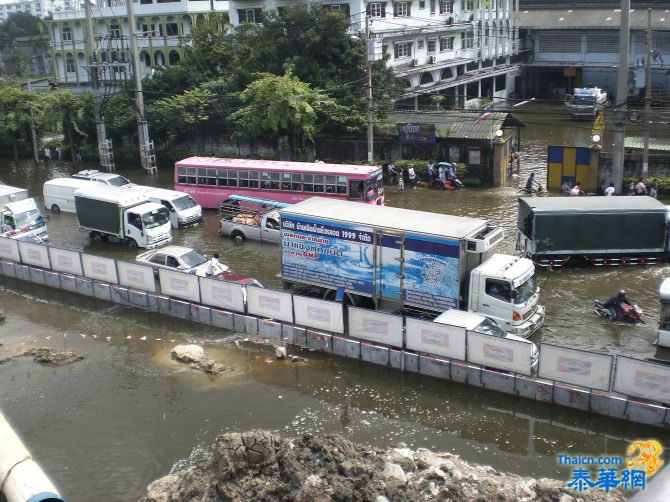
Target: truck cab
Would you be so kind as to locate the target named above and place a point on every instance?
(20, 214)
(184, 210)
(146, 225)
(503, 288)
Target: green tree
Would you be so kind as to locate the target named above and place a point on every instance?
(63, 111)
(181, 114)
(28, 28)
(276, 106)
(15, 116)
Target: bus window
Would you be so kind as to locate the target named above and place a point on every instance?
(211, 176)
(296, 182)
(186, 175)
(356, 189)
(248, 179)
(375, 186)
(265, 180)
(342, 184)
(232, 178)
(308, 185)
(202, 176)
(331, 184)
(286, 181)
(274, 181)
(318, 183)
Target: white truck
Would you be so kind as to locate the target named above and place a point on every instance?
(248, 218)
(122, 215)
(401, 258)
(184, 210)
(20, 214)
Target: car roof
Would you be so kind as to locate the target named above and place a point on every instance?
(175, 250)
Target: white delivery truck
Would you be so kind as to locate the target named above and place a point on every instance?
(409, 259)
(59, 194)
(20, 214)
(184, 210)
(122, 215)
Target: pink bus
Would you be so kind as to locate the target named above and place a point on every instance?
(211, 180)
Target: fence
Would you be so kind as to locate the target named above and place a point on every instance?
(621, 387)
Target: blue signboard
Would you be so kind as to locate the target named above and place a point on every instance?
(416, 133)
(342, 256)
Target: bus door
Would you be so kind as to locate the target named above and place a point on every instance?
(388, 267)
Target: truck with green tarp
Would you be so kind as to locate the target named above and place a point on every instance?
(599, 231)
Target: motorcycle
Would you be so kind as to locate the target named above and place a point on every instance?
(625, 313)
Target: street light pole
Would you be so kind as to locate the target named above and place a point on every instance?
(368, 107)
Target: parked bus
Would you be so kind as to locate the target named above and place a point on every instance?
(211, 180)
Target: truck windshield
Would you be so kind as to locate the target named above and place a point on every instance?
(488, 327)
(186, 202)
(31, 219)
(156, 218)
(118, 181)
(375, 185)
(526, 291)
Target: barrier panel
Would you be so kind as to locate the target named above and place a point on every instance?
(52, 279)
(374, 354)
(320, 342)
(644, 379)
(101, 290)
(434, 338)
(319, 314)
(608, 404)
(179, 284)
(37, 276)
(395, 358)
(271, 304)
(411, 362)
(374, 326)
(222, 319)
(578, 367)
(102, 269)
(22, 272)
(200, 314)
(9, 249)
(180, 309)
(646, 413)
(34, 254)
(501, 382)
(499, 353)
(245, 324)
(63, 260)
(269, 329)
(136, 276)
(138, 298)
(68, 283)
(294, 334)
(435, 367)
(346, 347)
(84, 286)
(571, 397)
(225, 295)
(119, 294)
(8, 268)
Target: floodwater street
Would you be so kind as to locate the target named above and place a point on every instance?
(105, 427)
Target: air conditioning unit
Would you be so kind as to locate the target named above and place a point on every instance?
(432, 59)
(413, 62)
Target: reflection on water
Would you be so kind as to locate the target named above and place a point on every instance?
(127, 413)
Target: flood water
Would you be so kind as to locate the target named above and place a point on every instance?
(105, 427)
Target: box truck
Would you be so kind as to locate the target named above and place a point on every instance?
(560, 231)
(121, 215)
(20, 214)
(401, 258)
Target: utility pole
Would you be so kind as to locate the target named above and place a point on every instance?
(619, 128)
(647, 98)
(146, 146)
(104, 145)
(368, 107)
(33, 134)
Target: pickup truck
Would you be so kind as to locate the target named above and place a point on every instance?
(246, 218)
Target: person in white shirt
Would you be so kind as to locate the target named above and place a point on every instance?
(609, 191)
(214, 267)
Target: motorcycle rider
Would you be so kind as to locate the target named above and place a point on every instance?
(615, 304)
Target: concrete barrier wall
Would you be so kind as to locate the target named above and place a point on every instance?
(319, 325)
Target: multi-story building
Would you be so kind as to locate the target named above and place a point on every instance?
(163, 26)
(37, 8)
(462, 49)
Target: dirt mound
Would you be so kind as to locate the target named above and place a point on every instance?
(260, 465)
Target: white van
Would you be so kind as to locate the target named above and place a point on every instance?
(184, 210)
(472, 321)
(59, 194)
(111, 179)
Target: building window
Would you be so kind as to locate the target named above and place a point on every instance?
(114, 31)
(66, 34)
(432, 7)
(171, 29)
(69, 63)
(401, 9)
(469, 5)
(446, 7)
(446, 44)
(420, 44)
(338, 7)
(422, 5)
(466, 40)
(432, 45)
(250, 15)
(377, 9)
(402, 50)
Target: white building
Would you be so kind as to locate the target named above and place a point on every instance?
(462, 49)
(37, 8)
(163, 26)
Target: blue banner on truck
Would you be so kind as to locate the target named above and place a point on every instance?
(342, 255)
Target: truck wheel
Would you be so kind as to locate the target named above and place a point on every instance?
(96, 237)
(132, 244)
(238, 236)
(55, 209)
(349, 299)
